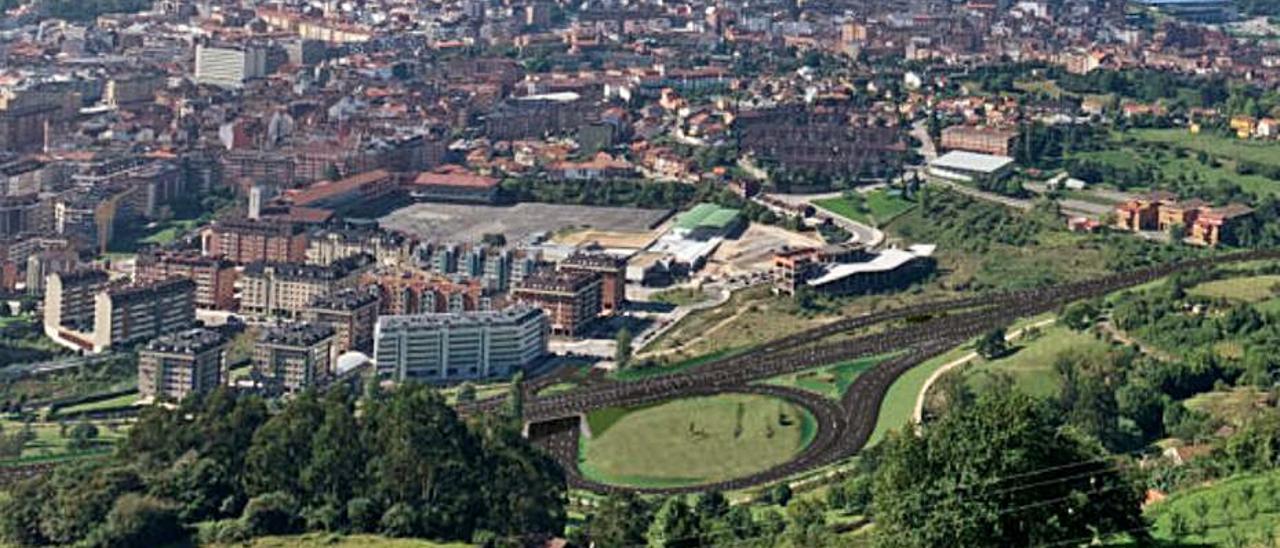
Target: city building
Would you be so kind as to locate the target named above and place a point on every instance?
(613, 277)
(328, 245)
(229, 66)
(706, 221)
(570, 299)
(981, 139)
(286, 289)
(243, 241)
(847, 269)
(140, 312)
(442, 348)
(453, 183)
(966, 167)
(294, 356)
(346, 194)
(69, 299)
(215, 277)
(1201, 223)
(351, 313)
(413, 291)
(176, 365)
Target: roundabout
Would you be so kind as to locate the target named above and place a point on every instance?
(693, 441)
(559, 422)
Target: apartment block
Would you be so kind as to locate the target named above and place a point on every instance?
(295, 356)
(443, 348)
(141, 312)
(243, 241)
(983, 139)
(351, 313)
(174, 366)
(570, 299)
(69, 299)
(613, 277)
(229, 67)
(286, 289)
(215, 277)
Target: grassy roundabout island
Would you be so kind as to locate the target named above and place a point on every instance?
(693, 441)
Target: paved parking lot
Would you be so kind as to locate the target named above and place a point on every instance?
(467, 223)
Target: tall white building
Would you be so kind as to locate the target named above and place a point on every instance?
(229, 67)
(459, 346)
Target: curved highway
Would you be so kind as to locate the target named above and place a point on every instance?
(917, 333)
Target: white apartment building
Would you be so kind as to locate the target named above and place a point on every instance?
(229, 67)
(450, 347)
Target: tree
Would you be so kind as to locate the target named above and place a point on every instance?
(1079, 316)
(273, 513)
(993, 344)
(495, 239)
(807, 523)
(83, 435)
(622, 348)
(331, 173)
(674, 525)
(1002, 472)
(138, 520)
(466, 392)
(622, 520)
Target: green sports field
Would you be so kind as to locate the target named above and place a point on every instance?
(693, 441)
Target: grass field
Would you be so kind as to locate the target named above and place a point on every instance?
(1030, 365)
(900, 401)
(50, 444)
(1172, 167)
(829, 380)
(1266, 153)
(1250, 289)
(1242, 511)
(118, 401)
(334, 540)
(1235, 406)
(879, 207)
(693, 441)
(680, 296)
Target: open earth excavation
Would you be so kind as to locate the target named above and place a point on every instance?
(663, 273)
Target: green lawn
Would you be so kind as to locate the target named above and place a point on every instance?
(334, 540)
(878, 207)
(1267, 153)
(637, 373)
(829, 380)
(693, 441)
(1030, 365)
(49, 443)
(118, 401)
(680, 296)
(1235, 406)
(1242, 511)
(1124, 157)
(1249, 289)
(900, 401)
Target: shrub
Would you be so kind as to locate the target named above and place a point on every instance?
(272, 513)
(362, 515)
(399, 521)
(138, 520)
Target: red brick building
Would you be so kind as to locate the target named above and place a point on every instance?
(613, 277)
(244, 241)
(570, 299)
(1204, 224)
(215, 277)
(983, 139)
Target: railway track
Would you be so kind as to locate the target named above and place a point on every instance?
(945, 324)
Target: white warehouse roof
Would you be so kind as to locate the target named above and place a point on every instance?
(886, 261)
(971, 162)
